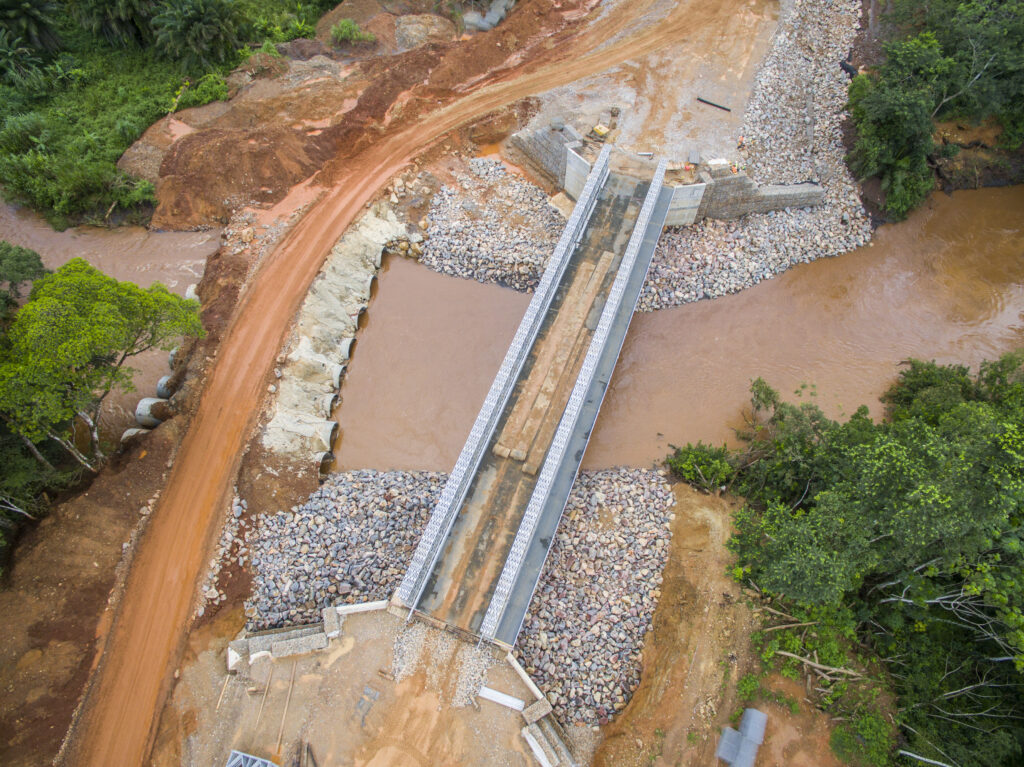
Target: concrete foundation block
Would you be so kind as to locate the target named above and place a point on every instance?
(299, 645)
(264, 642)
(362, 607)
(332, 622)
(536, 711)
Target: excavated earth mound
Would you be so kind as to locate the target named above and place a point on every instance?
(208, 161)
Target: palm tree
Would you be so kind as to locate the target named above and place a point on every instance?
(198, 33)
(120, 22)
(32, 21)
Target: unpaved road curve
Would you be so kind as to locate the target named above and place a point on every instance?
(122, 703)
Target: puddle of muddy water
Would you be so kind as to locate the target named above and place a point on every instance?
(947, 284)
(177, 259)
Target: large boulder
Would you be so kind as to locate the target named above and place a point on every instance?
(421, 28)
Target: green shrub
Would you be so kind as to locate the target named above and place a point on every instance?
(748, 687)
(66, 120)
(211, 87)
(58, 153)
(702, 465)
(347, 31)
(867, 741)
(199, 34)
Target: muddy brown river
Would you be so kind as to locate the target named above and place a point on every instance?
(947, 284)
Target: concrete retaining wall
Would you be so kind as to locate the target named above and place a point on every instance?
(720, 194)
(547, 150)
(729, 195)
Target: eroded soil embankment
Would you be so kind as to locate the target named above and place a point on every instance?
(147, 634)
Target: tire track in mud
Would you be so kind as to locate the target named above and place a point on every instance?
(121, 706)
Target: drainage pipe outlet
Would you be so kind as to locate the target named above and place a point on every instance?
(144, 411)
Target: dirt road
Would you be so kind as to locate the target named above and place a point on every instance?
(120, 712)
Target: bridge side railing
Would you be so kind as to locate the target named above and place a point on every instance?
(453, 494)
(567, 425)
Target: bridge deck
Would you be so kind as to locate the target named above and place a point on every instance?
(460, 587)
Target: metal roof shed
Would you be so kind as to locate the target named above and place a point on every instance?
(752, 725)
(739, 748)
(238, 759)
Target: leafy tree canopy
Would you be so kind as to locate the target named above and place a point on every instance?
(119, 22)
(67, 348)
(33, 21)
(952, 59)
(915, 524)
(199, 33)
(17, 266)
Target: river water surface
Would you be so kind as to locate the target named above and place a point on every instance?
(947, 284)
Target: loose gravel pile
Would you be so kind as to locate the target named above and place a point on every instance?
(582, 637)
(792, 131)
(493, 227)
(581, 640)
(348, 543)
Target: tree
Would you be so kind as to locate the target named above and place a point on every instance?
(17, 266)
(954, 59)
(198, 33)
(32, 21)
(68, 346)
(119, 22)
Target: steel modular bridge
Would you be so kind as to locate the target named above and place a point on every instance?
(480, 556)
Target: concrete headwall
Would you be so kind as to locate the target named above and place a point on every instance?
(576, 171)
(318, 350)
(685, 203)
(545, 149)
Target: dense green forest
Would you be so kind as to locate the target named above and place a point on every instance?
(61, 353)
(948, 59)
(80, 81)
(902, 542)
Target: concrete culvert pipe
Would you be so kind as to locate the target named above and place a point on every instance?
(131, 433)
(325, 404)
(336, 371)
(345, 348)
(144, 411)
(327, 431)
(163, 390)
(171, 357)
(324, 460)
